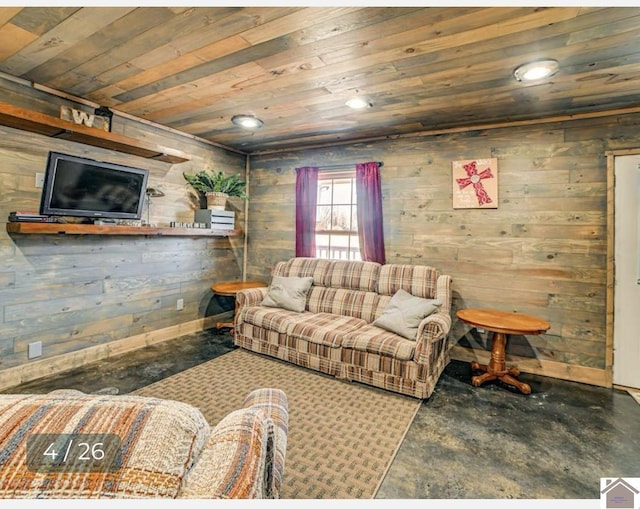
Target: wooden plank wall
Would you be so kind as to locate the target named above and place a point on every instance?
(542, 251)
(76, 292)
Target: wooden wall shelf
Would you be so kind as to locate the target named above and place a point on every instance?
(35, 122)
(92, 229)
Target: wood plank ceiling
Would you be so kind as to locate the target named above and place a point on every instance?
(421, 68)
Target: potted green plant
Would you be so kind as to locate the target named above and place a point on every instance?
(217, 186)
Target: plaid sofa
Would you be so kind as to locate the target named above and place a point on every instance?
(334, 334)
(166, 448)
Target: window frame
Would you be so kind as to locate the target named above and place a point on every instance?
(332, 177)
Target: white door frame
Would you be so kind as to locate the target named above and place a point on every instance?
(611, 155)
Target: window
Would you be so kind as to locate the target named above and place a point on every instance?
(336, 221)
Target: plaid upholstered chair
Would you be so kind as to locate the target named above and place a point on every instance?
(60, 445)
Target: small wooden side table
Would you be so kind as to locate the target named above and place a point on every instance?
(501, 323)
(230, 289)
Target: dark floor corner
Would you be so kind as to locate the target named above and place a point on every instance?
(130, 371)
(465, 442)
(490, 442)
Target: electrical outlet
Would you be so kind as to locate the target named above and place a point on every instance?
(34, 350)
(180, 304)
(39, 179)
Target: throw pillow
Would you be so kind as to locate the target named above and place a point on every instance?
(288, 293)
(404, 313)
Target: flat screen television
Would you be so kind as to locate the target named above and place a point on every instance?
(78, 186)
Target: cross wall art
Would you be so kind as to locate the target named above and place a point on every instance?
(475, 184)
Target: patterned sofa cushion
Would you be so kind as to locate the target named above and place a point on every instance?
(160, 440)
(352, 275)
(273, 319)
(340, 301)
(418, 280)
(373, 339)
(324, 328)
(304, 267)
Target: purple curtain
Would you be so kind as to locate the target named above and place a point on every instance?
(306, 200)
(369, 210)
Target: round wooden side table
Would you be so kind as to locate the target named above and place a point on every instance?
(501, 323)
(230, 289)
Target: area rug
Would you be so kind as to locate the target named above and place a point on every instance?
(635, 395)
(342, 436)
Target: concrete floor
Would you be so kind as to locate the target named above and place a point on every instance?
(465, 442)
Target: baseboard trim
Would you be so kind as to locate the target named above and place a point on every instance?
(582, 374)
(626, 388)
(11, 377)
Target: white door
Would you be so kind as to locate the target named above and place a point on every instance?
(626, 320)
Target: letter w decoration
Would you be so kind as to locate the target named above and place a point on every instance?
(76, 116)
(82, 117)
(475, 183)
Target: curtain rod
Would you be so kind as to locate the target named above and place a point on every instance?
(344, 166)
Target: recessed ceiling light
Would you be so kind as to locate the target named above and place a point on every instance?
(536, 70)
(247, 121)
(358, 103)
